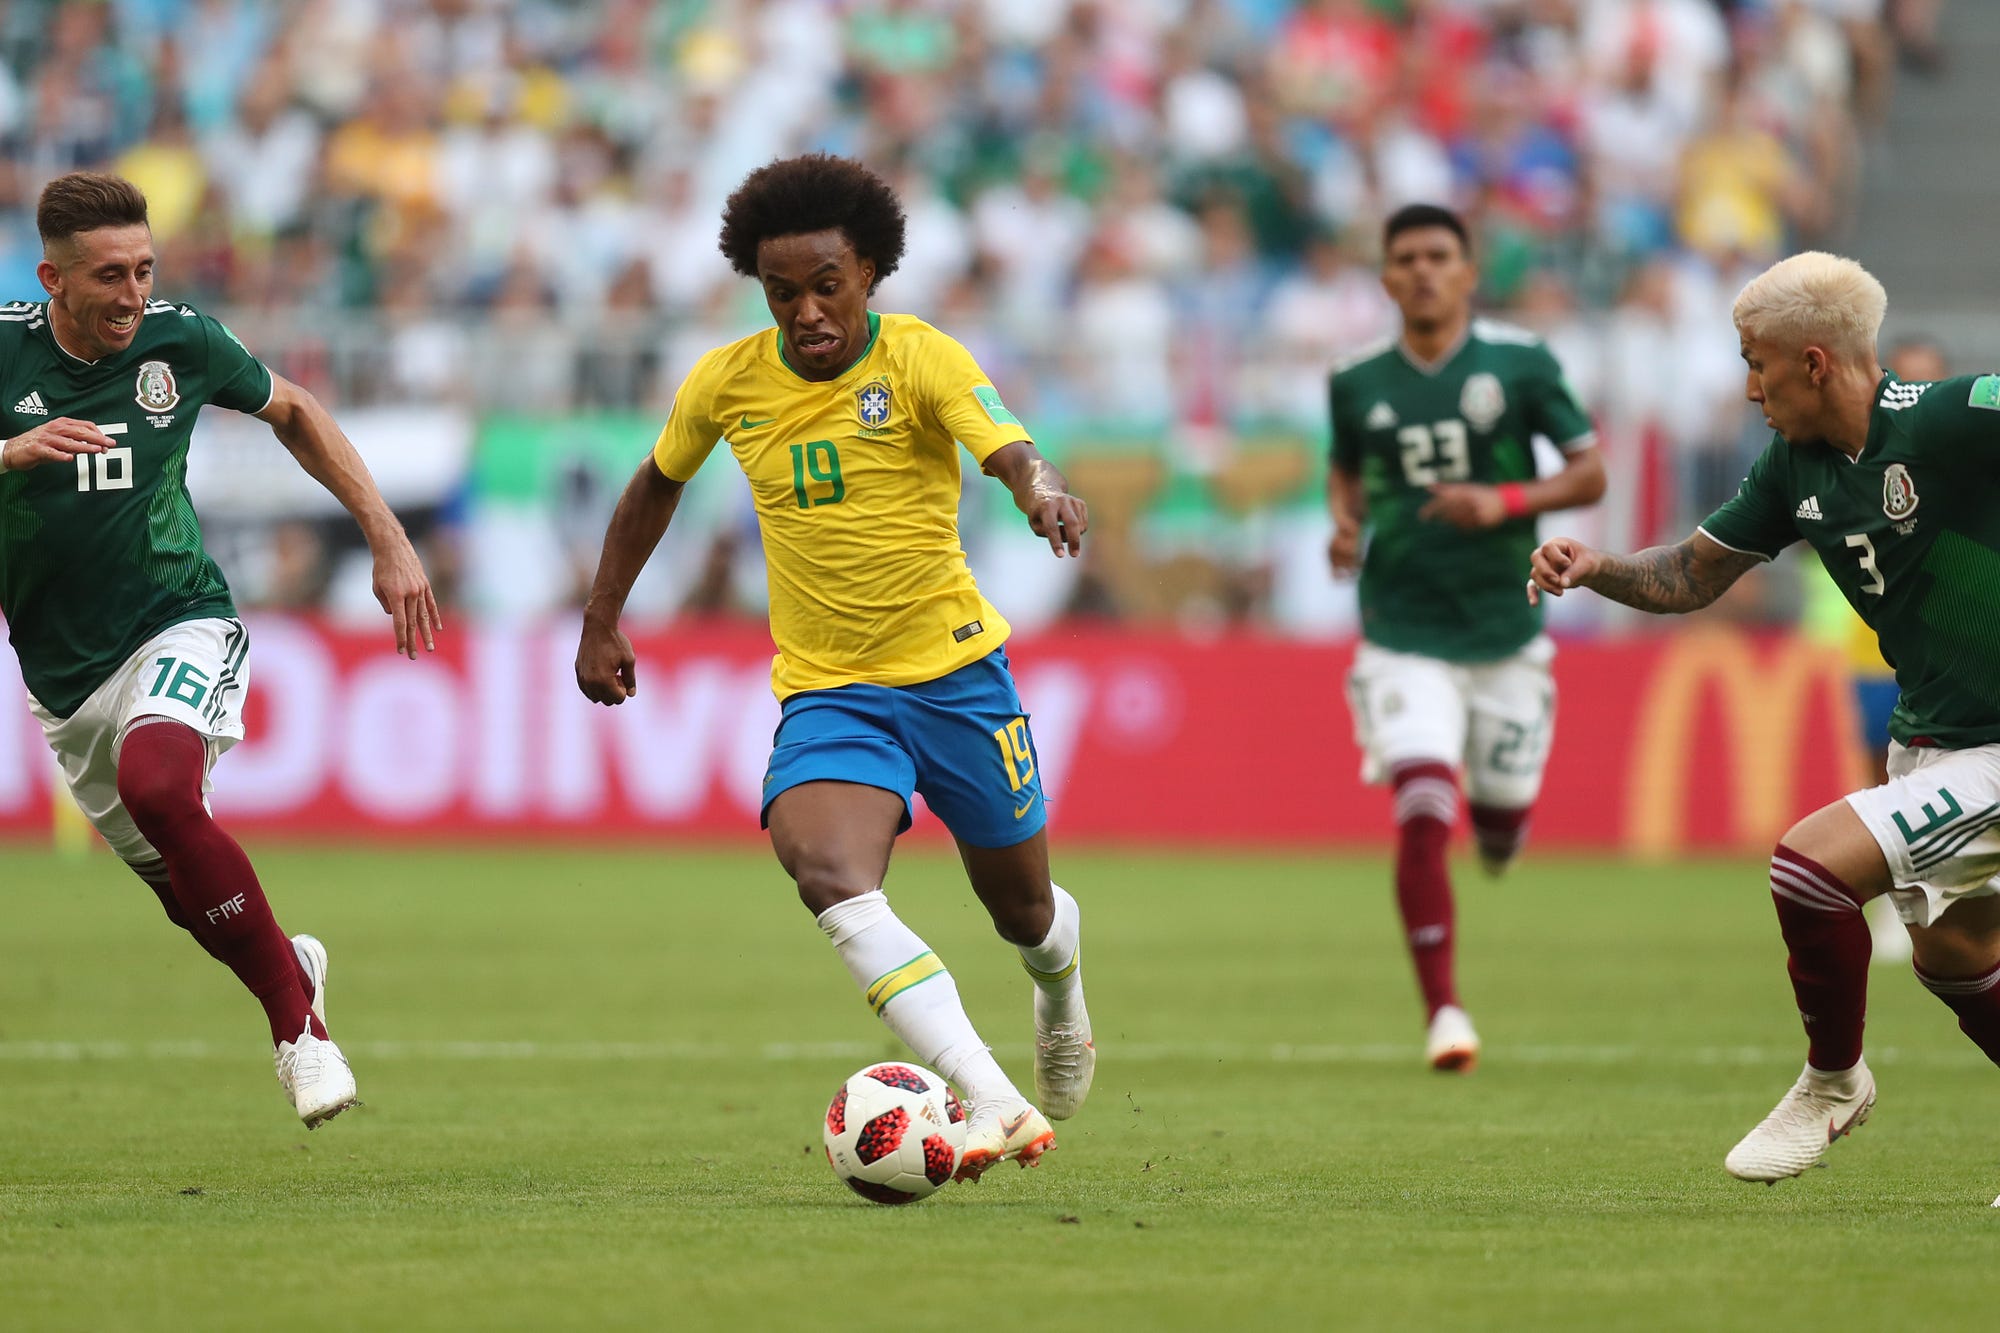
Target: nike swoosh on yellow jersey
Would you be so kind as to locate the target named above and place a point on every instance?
(748, 424)
(1020, 810)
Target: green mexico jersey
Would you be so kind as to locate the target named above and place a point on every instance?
(1910, 532)
(1402, 427)
(98, 557)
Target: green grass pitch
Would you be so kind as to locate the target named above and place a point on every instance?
(593, 1084)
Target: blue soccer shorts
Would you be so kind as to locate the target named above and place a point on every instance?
(961, 740)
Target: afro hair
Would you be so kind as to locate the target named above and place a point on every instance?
(816, 192)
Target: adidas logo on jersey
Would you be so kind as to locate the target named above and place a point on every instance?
(1381, 417)
(32, 406)
(1899, 396)
(1809, 508)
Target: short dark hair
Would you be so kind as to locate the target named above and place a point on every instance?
(816, 192)
(1411, 217)
(84, 201)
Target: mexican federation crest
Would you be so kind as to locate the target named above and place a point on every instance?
(872, 402)
(1899, 492)
(157, 390)
(1482, 400)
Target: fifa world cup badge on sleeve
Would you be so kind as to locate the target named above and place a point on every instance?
(996, 411)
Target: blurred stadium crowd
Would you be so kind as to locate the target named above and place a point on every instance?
(1152, 220)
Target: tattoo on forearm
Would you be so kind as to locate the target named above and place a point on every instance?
(1667, 579)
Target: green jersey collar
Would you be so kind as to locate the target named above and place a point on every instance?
(874, 332)
(1431, 369)
(1878, 419)
(49, 322)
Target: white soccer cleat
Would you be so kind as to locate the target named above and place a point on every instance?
(999, 1130)
(312, 957)
(1819, 1109)
(1065, 1057)
(314, 1074)
(1452, 1046)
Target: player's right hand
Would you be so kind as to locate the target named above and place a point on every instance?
(1344, 552)
(55, 441)
(606, 667)
(1559, 564)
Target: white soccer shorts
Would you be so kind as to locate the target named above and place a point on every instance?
(1493, 720)
(1937, 820)
(195, 673)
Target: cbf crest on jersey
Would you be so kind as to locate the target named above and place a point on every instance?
(872, 402)
(1482, 400)
(157, 390)
(1899, 492)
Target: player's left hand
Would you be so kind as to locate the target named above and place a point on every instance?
(1059, 516)
(404, 591)
(1464, 504)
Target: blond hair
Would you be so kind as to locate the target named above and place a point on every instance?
(1814, 298)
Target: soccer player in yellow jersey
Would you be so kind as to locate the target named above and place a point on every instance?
(890, 667)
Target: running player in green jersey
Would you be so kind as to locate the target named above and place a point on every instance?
(1893, 485)
(1433, 458)
(135, 662)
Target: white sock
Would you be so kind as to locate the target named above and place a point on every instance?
(909, 989)
(1056, 963)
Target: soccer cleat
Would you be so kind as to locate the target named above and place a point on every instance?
(314, 1074)
(1819, 1109)
(1065, 1057)
(1002, 1130)
(1452, 1047)
(312, 957)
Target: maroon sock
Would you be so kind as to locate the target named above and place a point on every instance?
(154, 874)
(220, 902)
(1976, 1001)
(1499, 830)
(1830, 948)
(1426, 804)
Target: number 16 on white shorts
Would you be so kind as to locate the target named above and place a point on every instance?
(195, 673)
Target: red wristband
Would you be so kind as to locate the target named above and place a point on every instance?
(1514, 499)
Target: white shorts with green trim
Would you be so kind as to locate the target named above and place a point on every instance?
(194, 673)
(1937, 820)
(1494, 720)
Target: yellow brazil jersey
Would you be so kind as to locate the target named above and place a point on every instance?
(856, 484)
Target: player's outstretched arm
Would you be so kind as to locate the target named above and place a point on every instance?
(1348, 505)
(1661, 579)
(606, 666)
(1042, 493)
(315, 439)
(55, 441)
